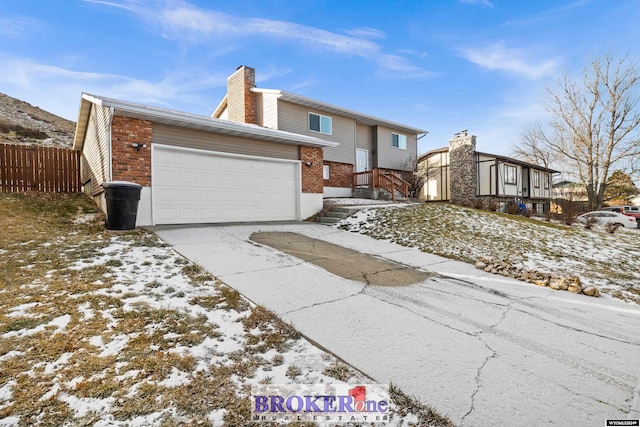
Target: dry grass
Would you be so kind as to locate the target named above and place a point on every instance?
(83, 321)
(603, 259)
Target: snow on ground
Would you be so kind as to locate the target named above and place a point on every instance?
(146, 337)
(608, 261)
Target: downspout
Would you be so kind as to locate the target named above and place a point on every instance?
(109, 152)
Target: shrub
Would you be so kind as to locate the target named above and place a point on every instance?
(590, 222)
(611, 227)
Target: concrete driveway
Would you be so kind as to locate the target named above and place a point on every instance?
(481, 349)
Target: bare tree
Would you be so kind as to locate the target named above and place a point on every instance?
(533, 148)
(595, 123)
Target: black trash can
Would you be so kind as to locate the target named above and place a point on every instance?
(122, 204)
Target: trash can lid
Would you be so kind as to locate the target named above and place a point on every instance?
(121, 184)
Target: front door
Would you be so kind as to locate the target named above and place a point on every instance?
(362, 160)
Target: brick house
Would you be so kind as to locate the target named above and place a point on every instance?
(460, 174)
(369, 151)
(198, 169)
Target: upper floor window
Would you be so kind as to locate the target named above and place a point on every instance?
(536, 179)
(510, 174)
(547, 178)
(398, 141)
(319, 123)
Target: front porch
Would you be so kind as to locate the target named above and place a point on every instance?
(380, 184)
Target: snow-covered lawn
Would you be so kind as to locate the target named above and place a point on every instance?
(608, 261)
(103, 329)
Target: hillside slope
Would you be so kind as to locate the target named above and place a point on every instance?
(607, 261)
(22, 123)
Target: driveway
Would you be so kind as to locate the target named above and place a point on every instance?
(479, 348)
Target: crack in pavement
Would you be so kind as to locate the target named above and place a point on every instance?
(493, 355)
(573, 392)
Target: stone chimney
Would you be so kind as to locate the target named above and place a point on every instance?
(241, 102)
(462, 168)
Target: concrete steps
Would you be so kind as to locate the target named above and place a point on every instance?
(337, 213)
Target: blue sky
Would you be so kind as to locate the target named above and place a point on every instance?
(442, 66)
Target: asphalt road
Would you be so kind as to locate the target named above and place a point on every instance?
(481, 349)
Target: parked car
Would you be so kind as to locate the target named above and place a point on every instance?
(609, 217)
(633, 211)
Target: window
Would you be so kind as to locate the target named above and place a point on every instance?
(318, 123)
(510, 176)
(547, 178)
(325, 172)
(536, 179)
(398, 141)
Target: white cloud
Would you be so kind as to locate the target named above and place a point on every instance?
(485, 3)
(18, 27)
(366, 32)
(499, 57)
(58, 90)
(178, 19)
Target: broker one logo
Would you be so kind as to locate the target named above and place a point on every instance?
(328, 402)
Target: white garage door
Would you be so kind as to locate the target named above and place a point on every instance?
(196, 186)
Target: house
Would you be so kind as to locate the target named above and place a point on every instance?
(369, 152)
(197, 169)
(635, 201)
(462, 175)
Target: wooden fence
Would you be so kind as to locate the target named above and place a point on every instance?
(35, 168)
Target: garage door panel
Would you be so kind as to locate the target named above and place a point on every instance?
(199, 186)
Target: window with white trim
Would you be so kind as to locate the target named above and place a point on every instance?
(399, 141)
(547, 179)
(325, 172)
(510, 174)
(320, 123)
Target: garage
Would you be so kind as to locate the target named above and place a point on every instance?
(198, 186)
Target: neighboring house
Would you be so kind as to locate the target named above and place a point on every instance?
(462, 175)
(635, 201)
(367, 147)
(196, 169)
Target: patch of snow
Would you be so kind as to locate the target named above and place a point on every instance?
(6, 390)
(60, 323)
(175, 378)
(21, 310)
(50, 368)
(82, 406)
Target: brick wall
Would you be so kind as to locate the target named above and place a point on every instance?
(340, 175)
(240, 100)
(312, 181)
(129, 163)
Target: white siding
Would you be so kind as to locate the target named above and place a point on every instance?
(295, 118)
(394, 158)
(191, 138)
(95, 167)
(436, 169)
(267, 110)
(505, 189)
(540, 192)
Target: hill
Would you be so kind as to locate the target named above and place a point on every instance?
(606, 260)
(22, 123)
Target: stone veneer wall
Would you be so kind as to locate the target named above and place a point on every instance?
(463, 176)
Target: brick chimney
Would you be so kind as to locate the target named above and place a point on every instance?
(241, 102)
(462, 168)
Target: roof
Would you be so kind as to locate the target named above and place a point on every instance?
(333, 109)
(187, 120)
(495, 156)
